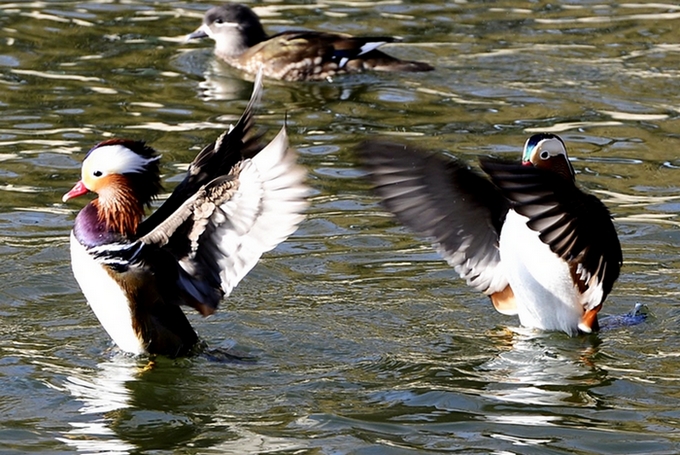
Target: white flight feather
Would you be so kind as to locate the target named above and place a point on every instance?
(365, 49)
(263, 212)
(594, 295)
(368, 47)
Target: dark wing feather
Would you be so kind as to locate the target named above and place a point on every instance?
(577, 226)
(213, 161)
(179, 217)
(219, 233)
(445, 200)
(300, 51)
(333, 46)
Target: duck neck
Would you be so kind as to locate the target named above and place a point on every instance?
(120, 211)
(239, 41)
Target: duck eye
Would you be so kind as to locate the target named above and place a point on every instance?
(545, 155)
(219, 21)
(97, 173)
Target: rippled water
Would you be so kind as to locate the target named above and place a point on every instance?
(365, 341)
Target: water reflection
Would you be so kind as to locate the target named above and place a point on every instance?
(103, 394)
(543, 369)
(529, 369)
(249, 442)
(216, 81)
(131, 405)
(398, 377)
(219, 85)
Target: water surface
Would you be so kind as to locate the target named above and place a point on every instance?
(366, 343)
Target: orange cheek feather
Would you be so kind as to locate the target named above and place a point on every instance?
(118, 206)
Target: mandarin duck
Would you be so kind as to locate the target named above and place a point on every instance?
(526, 236)
(237, 201)
(240, 40)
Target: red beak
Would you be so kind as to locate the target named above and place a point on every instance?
(78, 190)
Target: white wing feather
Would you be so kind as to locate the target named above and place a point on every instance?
(265, 209)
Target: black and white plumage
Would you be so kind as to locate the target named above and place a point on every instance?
(240, 40)
(526, 235)
(237, 201)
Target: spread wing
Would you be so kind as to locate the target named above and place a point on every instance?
(237, 201)
(577, 226)
(220, 232)
(446, 201)
(215, 160)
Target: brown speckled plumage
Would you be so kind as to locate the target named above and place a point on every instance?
(241, 41)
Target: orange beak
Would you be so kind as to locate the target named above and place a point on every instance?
(78, 190)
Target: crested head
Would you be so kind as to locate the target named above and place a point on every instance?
(233, 26)
(122, 155)
(548, 151)
(133, 161)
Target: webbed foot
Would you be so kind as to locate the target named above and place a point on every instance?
(637, 315)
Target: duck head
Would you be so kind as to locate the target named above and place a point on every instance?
(234, 27)
(547, 151)
(126, 177)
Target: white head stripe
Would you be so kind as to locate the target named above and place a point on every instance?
(551, 145)
(116, 159)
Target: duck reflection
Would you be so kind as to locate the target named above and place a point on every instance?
(217, 82)
(131, 405)
(511, 377)
(541, 368)
(221, 84)
(104, 395)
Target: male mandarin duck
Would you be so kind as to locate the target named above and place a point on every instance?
(241, 41)
(237, 201)
(527, 237)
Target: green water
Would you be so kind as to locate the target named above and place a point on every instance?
(366, 341)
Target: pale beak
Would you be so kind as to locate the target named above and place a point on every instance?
(199, 33)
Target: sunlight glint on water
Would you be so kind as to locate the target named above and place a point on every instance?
(366, 342)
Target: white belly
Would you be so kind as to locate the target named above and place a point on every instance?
(544, 290)
(106, 298)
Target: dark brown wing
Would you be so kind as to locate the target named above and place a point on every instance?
(216, 159)
(335, 47)
(313, 54)
(446, 201)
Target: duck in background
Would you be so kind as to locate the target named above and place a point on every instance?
(237, 201)
(241, 41)
(528, 237)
